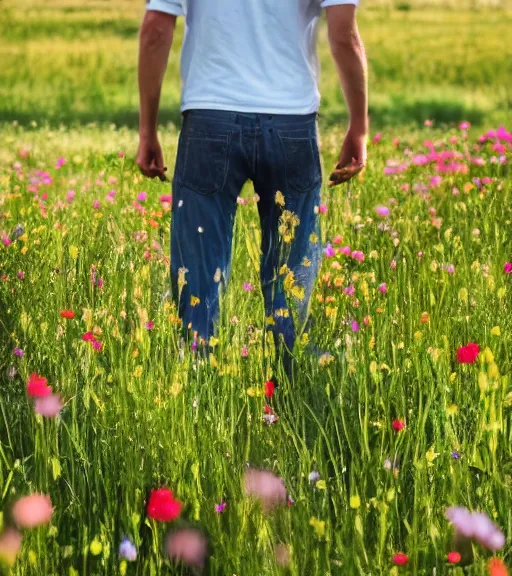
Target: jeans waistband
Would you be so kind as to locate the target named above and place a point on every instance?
(233, 117)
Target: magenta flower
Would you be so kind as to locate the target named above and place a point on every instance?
(70, 196)
(97, 345)
(166, 198)
(358, 255)
(20, 275)
(377, 138)
(450, 268)
(18, 352)
(383, 288)
(464, 126)
(96, 204)
(219, 508)
(355, 326)
(60, 162)
(245, 351)
(248, 287)
(435, 181)
(329, 251)
(322, 208)
(382, 211)
(507, 268)
(476, 526)
(150, 325)
(349, 291)
(142, 196)
(345, 250)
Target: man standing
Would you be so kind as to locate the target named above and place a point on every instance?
(249, 105)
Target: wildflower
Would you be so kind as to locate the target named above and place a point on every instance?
(468, 354)
(337, 240)
(142, 196)
(248, 287)
(88, 337)
(313, 477)
(219, 508)
(69, 314)
(350, 290)
(507, 268)
(149, 325)
(431, 456)
(37, 386)
(357, 255)
(464, 126)
(269, 389)
(383, 288)
(287, 224)
(10, 544)
(355, 501)
(48, 406)
(97, 345)
(454, 557)
(476, 526)
(96, 204)
(354, 326)
(377, 138)
(127, 550)
(188, 546)
(245, 351)
(393, 265)
(266, 487)
(96, 547)
(60, 162)
(400, 559)
(322, 208)
(279, 199)
(18, 352)
(345, 250)
(31, 511)
(398, 425)
(329, 251)
(382, 211)
(455, 455)
(319, 526)
(166, 198)
(497, 567)
(162, 506)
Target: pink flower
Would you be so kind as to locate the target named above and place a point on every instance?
(166, 198)
(248, 287)
(97, 345)
(382, 211)
(120, 154)
(507, 268)
(142, 196)
(70, 196)
(219, 508)
(48, 406)
(350, 290)
(150, 325)
(393, 265)
(265, 487)
(383, 288)
(337, 240)
(329, 251)
(428, 123)
(464, 126)
(398, 425)
(354, 326)
(31, 511)
(245, 351)
(322, 208)
(60, 162)
(88, 337)
(188, 546)
(377, 138)
(358, 255)
(345, 250)
(400, 559)
(96, 204)
(37, 386)
(450, 268)
(10, 544)
(476, 526)
(396, 142)
(162, 506)
(435, 181)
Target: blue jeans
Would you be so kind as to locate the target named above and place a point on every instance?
(218, 152)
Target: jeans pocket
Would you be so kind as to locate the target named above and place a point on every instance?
(302, 160)
(204, 162)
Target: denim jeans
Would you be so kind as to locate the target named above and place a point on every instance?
(218, 152)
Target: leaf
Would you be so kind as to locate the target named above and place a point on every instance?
(56, 468)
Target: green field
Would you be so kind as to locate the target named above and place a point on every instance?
(140, 415)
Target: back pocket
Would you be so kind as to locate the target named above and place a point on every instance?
(204, 162)
(302, 160)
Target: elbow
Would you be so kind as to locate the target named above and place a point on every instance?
(346, 41)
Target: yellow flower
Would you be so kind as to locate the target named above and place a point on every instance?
(306, 262)
(73, 252)
(431, 456)
(213, 341)
(194, 301)
(122, 567)
(287, 224)
(282, 313)
(488, 356)
(304, 339)
(269, 321)
(418, 335)
(289, 281)
(452, 409)
(496, 331)
(453, 375)
(95, 547)
(279, 199)
(493, 371)
(24, 250)
(32, 558)
(319, 526)
(483, 383)
(284, 270)
(355, 501)
(325, 359)
(321, 485)
(463, 295)
(298, 292)
(313, 238)
(501, 292)
(138, 371)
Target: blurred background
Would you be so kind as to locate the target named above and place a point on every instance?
(73, 63)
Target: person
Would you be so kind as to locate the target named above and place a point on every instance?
(249, 106)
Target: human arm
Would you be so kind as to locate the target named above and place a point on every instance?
(155, 41)
(349, 55)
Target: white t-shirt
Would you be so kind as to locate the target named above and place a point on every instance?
(249, 55)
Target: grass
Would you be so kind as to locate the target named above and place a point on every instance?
(137, 417)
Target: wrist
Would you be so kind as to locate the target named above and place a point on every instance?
(358, 127)
(148, 134)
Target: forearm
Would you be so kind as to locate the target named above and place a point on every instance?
(156, 36)
(350, 58)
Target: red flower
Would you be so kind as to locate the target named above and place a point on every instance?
(269, 389)
(454, 557)
(162, 506)
(468, 354)
(88, 337)
(268, 409)
(497, 567)
(398, 425)
(37, 386)
(69, 314)
(400, 559)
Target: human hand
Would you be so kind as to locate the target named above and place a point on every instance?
(352, 158)
(150, 159)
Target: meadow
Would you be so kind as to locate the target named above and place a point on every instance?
(375, 438)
